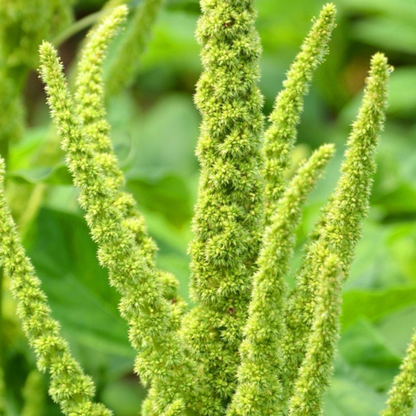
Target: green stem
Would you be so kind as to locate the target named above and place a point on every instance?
(78, 26)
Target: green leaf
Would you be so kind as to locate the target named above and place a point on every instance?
(374, 305)
(401, 103)
(348, 397)
(65, 260)
(387, 33)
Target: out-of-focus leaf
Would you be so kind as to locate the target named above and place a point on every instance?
(374, 305)
(23, 151)
(168, 194)
(401, 101)
(369, 356)
(400, 200)
(398, 327)
(163, 139)
(56, 175)
(387, 33)
(65, 260)
(398, 8)
(173, 40)
(124, 395)
(348, 396)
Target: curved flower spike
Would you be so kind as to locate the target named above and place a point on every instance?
(259, 388)
(339, 227)
(70, 387)
(91, 112)
(280, 137)
(152, 325)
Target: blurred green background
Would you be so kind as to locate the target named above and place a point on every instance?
(155, 129)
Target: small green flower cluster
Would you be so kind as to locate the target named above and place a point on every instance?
(250, 346)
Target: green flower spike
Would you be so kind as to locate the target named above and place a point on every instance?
(339, 228)
(317, 367)
(401, 399)
(280, 137)
(259, 388)
(229, 212)
(151, 322)
(91, 113)
(70, 387)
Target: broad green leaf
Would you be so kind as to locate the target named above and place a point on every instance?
(348, 396)
(387, 33)
(65, 260)
(369, 356)
(374, 305)
(401, 103)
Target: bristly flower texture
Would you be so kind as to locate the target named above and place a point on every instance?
(251, 345)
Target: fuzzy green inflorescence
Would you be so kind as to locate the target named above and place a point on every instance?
(149, 314)
(70, 387)
(259, 387)
(339, 227)
(280, 137)
(316, 368)
(229, 212)
(248, 347)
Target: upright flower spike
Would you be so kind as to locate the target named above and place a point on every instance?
(70, 387)
(228, 215)
(317, 367)
(152, 325)
(259, 388)
(401, 399)
(280, 137)
(339, 227)
(124, 65)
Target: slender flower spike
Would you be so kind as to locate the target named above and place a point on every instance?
(339, 227)
(91, 113)
(228, 216)
(152, 325)
(317, 367)
(280, 137)
(70, 387)
(259, 389)
(401, 399)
